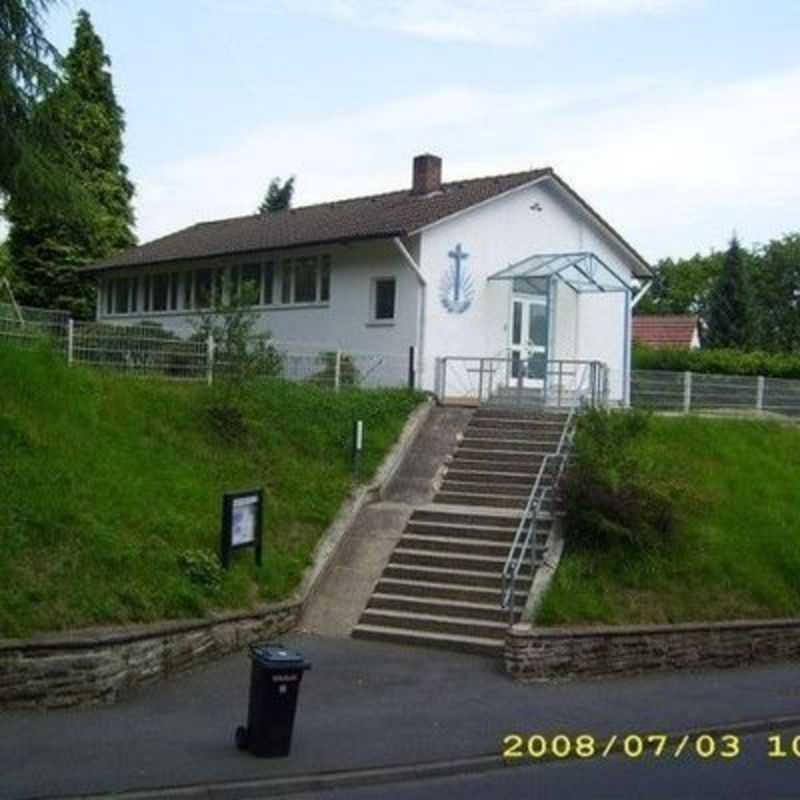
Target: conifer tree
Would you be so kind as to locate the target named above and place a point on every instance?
(729, 320)
(278, 196)
(47, 248)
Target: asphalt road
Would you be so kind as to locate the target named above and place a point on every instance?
(750, 776)
(363, 705)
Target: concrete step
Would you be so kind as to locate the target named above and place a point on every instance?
(517, 413)
(523, 458)
(417, 604)
(450, 559)
(487, 532)
(458, 515)
(464, 644)
(445, 591)
(484, 500)
(463, 546)
(491, 465)
(518, 424)
(537, 446)
(434, 623)
(456, 473)
(517, 490)
(453, 576)
(502, 434)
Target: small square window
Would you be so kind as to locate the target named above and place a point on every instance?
(384, 301)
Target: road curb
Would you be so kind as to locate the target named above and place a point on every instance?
(325, 781)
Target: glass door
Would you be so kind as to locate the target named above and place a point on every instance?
(529, 340)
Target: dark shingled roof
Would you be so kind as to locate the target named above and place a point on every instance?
(376, 216)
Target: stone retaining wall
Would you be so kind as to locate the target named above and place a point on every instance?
(534, 653)
(91, 667)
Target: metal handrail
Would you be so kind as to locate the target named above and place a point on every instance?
(526, 530)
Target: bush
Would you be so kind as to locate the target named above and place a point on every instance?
(719, 361)
(202, 568)
(612, 495)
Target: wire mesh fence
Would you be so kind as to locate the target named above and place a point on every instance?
(150, 349)
(686, 392)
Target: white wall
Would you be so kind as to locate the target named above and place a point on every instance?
(502, 232)
(342, 322)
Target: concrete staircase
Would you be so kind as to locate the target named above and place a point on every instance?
(442, 585)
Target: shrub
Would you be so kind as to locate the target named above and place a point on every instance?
(612, 495)
(202, 568)
(718, 361)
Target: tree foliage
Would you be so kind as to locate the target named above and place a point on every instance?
(48, 247)
(682, 286)
(776, 289)
(35, 162)
(278, 196)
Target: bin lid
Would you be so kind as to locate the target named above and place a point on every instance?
(276, 655)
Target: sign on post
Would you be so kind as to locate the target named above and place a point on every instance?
(242, 519)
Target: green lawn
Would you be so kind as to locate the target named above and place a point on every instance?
(736, 552)
(107, 480)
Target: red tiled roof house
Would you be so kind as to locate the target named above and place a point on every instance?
(667, 330)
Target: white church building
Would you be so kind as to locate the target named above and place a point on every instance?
(508, 281)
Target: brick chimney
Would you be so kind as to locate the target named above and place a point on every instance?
(427, 174)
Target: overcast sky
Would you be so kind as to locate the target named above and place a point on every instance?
(679, 120)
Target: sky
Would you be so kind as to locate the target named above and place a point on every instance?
(678, 120)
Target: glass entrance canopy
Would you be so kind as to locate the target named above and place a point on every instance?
(581, 271)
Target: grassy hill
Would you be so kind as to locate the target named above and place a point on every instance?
(736, 550)
(111, 485)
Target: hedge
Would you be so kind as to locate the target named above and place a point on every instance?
(722, 361)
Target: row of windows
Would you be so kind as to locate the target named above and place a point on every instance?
(301, 280)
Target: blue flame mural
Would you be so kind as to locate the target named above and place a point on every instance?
(456, 290)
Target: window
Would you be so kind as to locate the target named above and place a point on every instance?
(134, 295)
(250, 283)
(269, 281)
(109, 292)
(305, 280)
(385, 290)
(286, 281)
(187, 289)
(174, 282)
(146, 294)
(160, 292)
(325, 279)
(122, 287)
(203, 287)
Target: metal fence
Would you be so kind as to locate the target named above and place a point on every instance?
(514, 381)
(149, 349)
(686, 392)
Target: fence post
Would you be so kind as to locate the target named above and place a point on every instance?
(687, 392)
(337, 371)
(760, 393)
(412, 377)
(70, 341)
(210, 359)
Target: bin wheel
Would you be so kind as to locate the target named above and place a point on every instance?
(241, 737)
